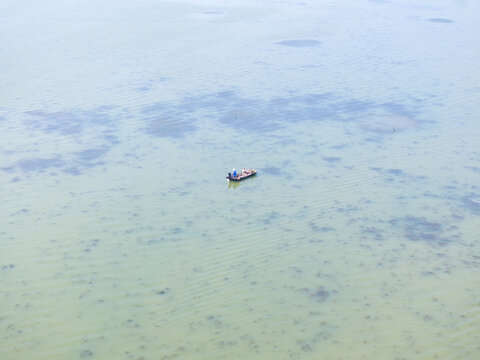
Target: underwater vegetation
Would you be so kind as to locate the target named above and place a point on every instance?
(332, 159)
(413, 228)
(164, 120)
(39, 164)
(416, 228)
(472, 203)
(300, 43)
(441, 20)
(93, 134)
(272, 170)
(71, 122)
(257, 116)
(320, 294)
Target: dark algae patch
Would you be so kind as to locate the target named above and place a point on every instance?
(272, 216)
(86, 354)
(272, 170)
(418, 228)
(472, 203)
(400, 175)
(440, 20)
(396, 172)
(332, 159)
(300, 43)
(259, 116)
(213, 12)
(162, 291)
(70, 122)
(319, 294)
(39, 164)
(92, 154)
(92, 132)
(164, 120)
(322, 229)
(372, 232)
(425, 230)
(84, 159)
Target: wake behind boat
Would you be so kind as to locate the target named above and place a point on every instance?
(241, 176)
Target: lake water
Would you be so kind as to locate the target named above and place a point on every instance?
(121, 239)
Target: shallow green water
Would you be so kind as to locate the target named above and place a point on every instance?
(358, 239)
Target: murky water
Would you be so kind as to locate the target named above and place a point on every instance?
(358, 239)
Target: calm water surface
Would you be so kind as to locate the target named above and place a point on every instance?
(121, 239)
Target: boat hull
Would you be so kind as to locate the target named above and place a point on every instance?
(242, 176)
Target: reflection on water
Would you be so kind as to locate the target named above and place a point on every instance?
(120, 237)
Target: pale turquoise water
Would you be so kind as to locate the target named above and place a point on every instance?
(120, 238)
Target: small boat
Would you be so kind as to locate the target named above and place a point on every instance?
(242, 176)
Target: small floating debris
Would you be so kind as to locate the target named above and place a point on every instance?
(239, 176)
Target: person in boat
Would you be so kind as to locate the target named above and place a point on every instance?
(234, 173)
(244, 171)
